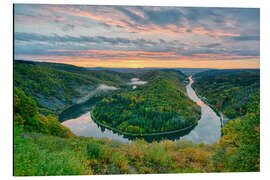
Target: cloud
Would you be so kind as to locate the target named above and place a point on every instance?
(172, 21)
(246, 38)
(164, 17)
(213, 45)
(220, 53)
(108, 48)
(68, 27)
(129, 33)
(21, 36)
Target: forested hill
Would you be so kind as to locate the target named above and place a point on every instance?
(158, 106)
(42, 146)
(228, 91)
(153, 74)
(156, 75)
(55, 86)
(112, 77)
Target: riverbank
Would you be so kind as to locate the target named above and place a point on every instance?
(81, 124)
(208, 129)
(219, 113)
(140, 134)
(76, 110)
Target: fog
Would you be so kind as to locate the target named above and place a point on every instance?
(136, 81)
(104, 87)
(88, 94)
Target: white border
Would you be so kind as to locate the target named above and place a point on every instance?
(202, 3)
(6, 84)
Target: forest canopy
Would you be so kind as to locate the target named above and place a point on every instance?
(229, 91)
(55, 86)
(158, 106)
(42, 146)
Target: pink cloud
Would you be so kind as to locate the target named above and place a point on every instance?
(116, 18)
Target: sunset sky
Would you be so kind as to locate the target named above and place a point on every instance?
(137, 37)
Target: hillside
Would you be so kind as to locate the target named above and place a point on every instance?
(41, 141)
(42, 146)
(109, 76)
(228, 91)
(159, 105)
(56, 86)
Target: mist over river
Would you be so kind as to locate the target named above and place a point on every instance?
(208, 129)
(136, 81)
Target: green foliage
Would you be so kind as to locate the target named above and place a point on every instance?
(55, 86)
(158, 106)
(42, 146)
(239, 148)
(32, 158)
(18, 120)
(26, 111)
(236, 94)
(39, 154)
(56, 128)
(228, 91)
(93, 150)
(26, 115)
(23, 105)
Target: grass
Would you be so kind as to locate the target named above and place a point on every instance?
(45, 155)
(43, 147)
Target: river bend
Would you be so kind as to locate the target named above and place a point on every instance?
(208, 129)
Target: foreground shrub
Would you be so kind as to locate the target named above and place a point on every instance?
(93, 150)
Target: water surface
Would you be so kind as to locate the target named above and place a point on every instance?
(208, 129)
(85, 126)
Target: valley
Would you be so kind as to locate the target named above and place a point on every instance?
(168, 123)
(208, 129)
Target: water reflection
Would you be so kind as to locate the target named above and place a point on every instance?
(75, 111)
(172, 136)
(85, 126)
(208, 129)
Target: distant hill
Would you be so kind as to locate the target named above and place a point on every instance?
(229, 91)
(55, 86)
(125, 70)
(215, 72)
(192, 71)
(187, 71)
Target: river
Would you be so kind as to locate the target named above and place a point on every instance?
(208, 129)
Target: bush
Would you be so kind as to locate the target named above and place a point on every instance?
(239, 149)
(18, 120)
(93, 150)
(39, 155)
(26, 115)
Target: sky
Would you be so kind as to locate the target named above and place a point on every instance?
(138, 36)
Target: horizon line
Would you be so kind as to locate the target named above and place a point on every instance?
(129, 67)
